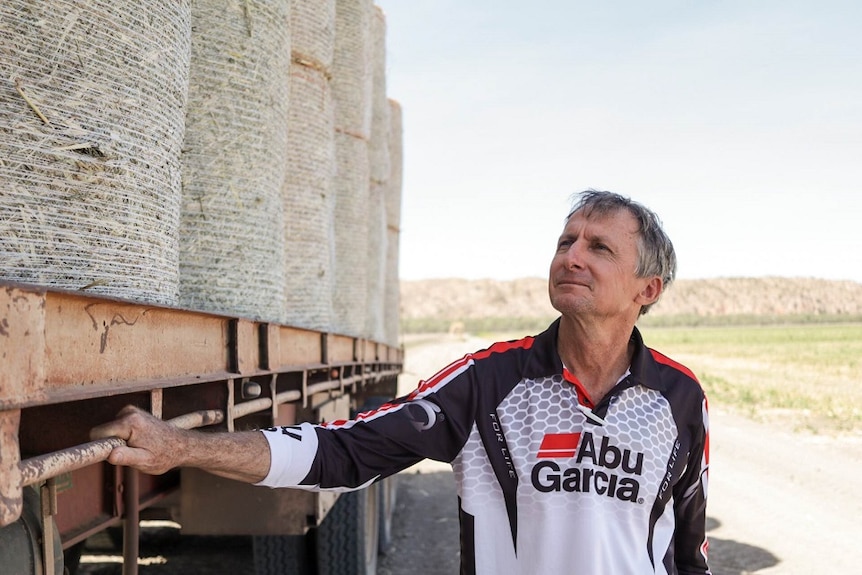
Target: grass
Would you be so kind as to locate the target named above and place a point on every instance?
(537, 324)
(805, 377)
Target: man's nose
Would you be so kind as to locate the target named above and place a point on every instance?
(575, 256)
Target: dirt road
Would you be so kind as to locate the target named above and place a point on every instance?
(780, 503)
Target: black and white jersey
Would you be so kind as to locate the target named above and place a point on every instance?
(547, 481)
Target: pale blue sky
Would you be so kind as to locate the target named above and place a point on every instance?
(738, 122)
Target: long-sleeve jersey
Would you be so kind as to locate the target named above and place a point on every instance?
(547, 482)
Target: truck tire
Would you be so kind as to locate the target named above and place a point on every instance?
(386, 504)
(347, 540)
(280, 555)
(21, 541)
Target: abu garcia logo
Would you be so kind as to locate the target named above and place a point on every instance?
(603, 477)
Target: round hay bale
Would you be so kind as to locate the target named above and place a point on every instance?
(92, 103)
(378, 159)
(312, 33)
(396, 166)
(392, 199)
(378, 144)
(376, 262)
(309, 201)
(234, 156)
(351, 235)
(351, 67)
(351, 94)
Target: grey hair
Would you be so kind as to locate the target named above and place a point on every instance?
(656, 256)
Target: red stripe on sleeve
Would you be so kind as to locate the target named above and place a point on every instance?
(663, 359)
(443, 374)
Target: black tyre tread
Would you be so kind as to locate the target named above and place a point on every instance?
(341, 536)
(280, 555)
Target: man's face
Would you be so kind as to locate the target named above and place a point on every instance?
(593, 270)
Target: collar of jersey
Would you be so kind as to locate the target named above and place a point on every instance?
(643, 368)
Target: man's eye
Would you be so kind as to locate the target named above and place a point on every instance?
(601, 247)
(563, 244)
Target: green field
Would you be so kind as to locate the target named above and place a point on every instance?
(803, 377)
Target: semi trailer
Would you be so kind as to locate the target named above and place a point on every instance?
(199, 216)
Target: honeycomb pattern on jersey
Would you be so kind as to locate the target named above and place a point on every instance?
(638, 420)
(478, 486)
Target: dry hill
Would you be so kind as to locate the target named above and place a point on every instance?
(444, 301)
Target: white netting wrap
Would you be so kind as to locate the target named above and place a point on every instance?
(378, 144)
(309, 201)
(378, 164)
(392, 295)
(234, 155)
(396, 163)
(376, 262)
(92, 100)
(351, 93)
(351, 235)
(351, 67)
(312, 32)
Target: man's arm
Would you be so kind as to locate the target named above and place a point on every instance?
(155, 446)
(690, 507)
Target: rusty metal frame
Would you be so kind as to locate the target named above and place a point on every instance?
(60, 346)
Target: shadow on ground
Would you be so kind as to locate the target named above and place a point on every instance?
(163, 551)
(426, 542)
(426, 527)
(729, 557)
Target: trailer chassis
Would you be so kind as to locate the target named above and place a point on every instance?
(72, 360)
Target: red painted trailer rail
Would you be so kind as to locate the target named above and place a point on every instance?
(70, 361)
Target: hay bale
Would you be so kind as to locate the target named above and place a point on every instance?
(92, 99)
(392, 199)
(351, 67)
(350, 285)
(234, 156)
(378, 144)
(351, 92)
(312, 33)
(376, 262)
(308, 194)
(378, 159)
(396, 171)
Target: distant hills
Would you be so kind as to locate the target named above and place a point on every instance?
(436, 304)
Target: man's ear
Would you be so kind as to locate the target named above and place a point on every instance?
(650, 292)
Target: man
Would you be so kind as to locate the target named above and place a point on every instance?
(578, 450)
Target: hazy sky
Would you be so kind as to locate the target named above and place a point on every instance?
(738, 122)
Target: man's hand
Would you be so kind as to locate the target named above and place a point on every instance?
(152, 445)
(155, 446)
